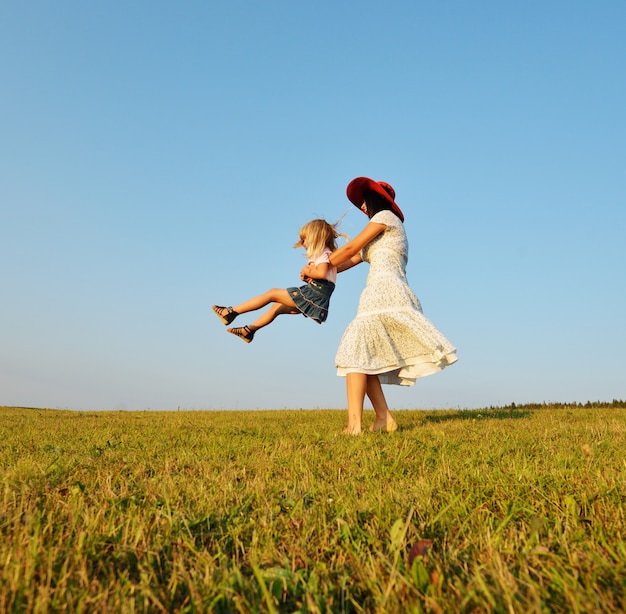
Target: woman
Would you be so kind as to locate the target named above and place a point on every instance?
(390, 341)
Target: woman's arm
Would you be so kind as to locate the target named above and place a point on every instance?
(350, 252)
(348, 264)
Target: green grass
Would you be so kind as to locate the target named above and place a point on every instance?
(514, 510)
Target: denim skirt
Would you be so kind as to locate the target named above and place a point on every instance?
(313, 298)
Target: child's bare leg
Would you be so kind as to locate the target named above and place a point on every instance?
(275, 295)
(356, 386)
(384, 420)
(270, 315)
(247, 332)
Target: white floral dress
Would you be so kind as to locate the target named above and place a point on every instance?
(390, 336)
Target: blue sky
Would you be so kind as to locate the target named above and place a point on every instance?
(158, 158)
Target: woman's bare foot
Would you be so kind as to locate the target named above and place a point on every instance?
(386, 426)
(352, 430)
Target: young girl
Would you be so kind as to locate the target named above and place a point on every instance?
(319, 238)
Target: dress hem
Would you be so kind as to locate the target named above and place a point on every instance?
(408, 372)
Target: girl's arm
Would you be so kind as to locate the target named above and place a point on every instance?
(349, 254)
(314, 272)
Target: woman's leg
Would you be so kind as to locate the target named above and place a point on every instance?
(275, 295)
(384, 420)
(356, 387)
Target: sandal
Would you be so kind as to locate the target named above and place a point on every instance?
(225, 314)
(243, 332)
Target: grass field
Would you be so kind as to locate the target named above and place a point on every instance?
(497, 510)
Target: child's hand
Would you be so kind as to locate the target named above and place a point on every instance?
(318, 271)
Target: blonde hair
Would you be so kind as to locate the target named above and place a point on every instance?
(319, 235)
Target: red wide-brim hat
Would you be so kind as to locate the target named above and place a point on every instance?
(357, 187)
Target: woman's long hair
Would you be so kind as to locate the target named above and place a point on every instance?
(375, 203)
